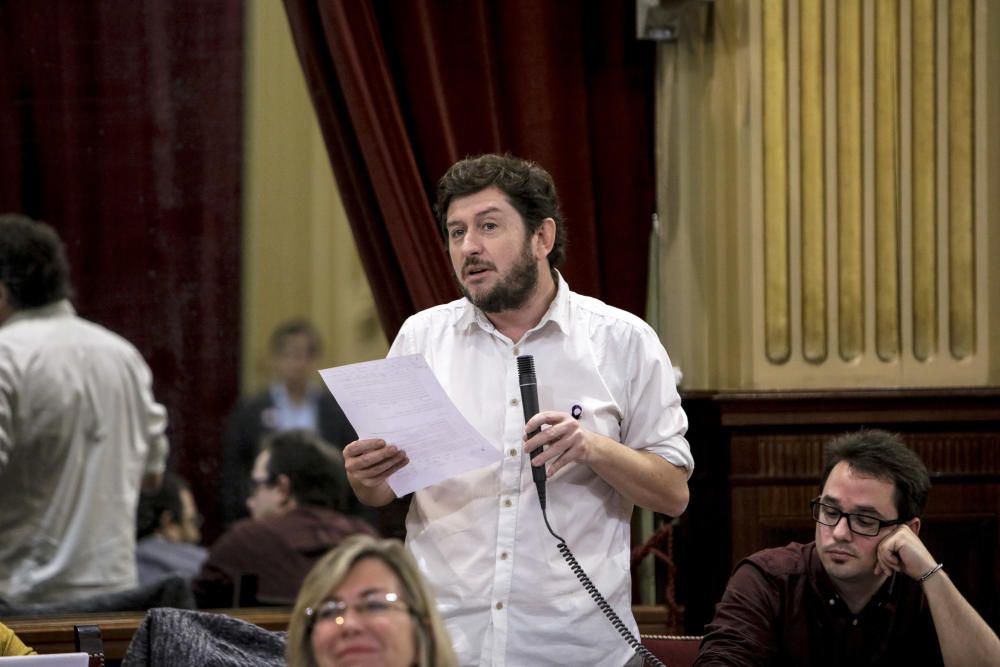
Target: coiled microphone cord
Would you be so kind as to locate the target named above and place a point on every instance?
(589, 586)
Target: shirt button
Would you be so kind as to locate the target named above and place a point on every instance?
(513, 452)
(503, 556)
(514, 401)
(507, 503)
(832, 602)
(517, 351)
(854, 622)
(499, 605)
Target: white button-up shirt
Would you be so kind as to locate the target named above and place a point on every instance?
(506, 593)
(78, 429)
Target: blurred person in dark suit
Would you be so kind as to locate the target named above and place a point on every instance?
(293, 400)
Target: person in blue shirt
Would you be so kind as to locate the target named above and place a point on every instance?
(293, 400)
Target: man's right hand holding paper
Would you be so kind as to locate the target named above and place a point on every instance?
(369, 464)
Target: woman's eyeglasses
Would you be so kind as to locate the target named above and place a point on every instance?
(373, 604)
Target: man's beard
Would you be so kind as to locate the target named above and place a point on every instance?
(512, 291)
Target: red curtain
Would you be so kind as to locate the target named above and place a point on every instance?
(403, 88)
(120, 124)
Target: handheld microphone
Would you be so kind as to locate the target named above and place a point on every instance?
(529, 401)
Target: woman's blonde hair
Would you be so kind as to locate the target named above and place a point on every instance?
(432, 641)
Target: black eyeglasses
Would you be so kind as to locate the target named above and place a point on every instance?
(373, 604)
(862, 524)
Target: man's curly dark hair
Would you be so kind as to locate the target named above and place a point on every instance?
(33, 264)
(529, 189)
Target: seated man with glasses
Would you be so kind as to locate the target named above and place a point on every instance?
(296, 517)
(865, 592)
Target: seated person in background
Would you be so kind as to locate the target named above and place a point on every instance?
(168, 532)
(11, 645)
(865, 592)
(294, 521)
(292, 401)
(366, 603)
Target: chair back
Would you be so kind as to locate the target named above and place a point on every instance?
(672, 650)
(87, 638)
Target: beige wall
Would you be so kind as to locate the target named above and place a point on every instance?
(822, 223)
(299, 255)
(825, 172)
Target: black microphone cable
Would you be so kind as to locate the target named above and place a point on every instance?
(529, 401)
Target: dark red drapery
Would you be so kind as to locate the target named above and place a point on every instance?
(120, 124)
(403, 88)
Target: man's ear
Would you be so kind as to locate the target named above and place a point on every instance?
(6, 306)
(914, 525)
(545, 237)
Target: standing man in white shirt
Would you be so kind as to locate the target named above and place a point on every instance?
(79, 432)
(612, 427)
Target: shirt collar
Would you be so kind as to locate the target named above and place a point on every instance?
(54, 309)
(558, 311)
(279, 394)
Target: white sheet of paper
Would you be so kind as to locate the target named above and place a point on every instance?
(400, 401)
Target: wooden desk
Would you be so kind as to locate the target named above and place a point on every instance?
(54, 634)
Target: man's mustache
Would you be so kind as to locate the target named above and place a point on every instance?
(840, 547)
(472, 263)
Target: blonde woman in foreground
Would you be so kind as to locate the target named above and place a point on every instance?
(366, 604)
